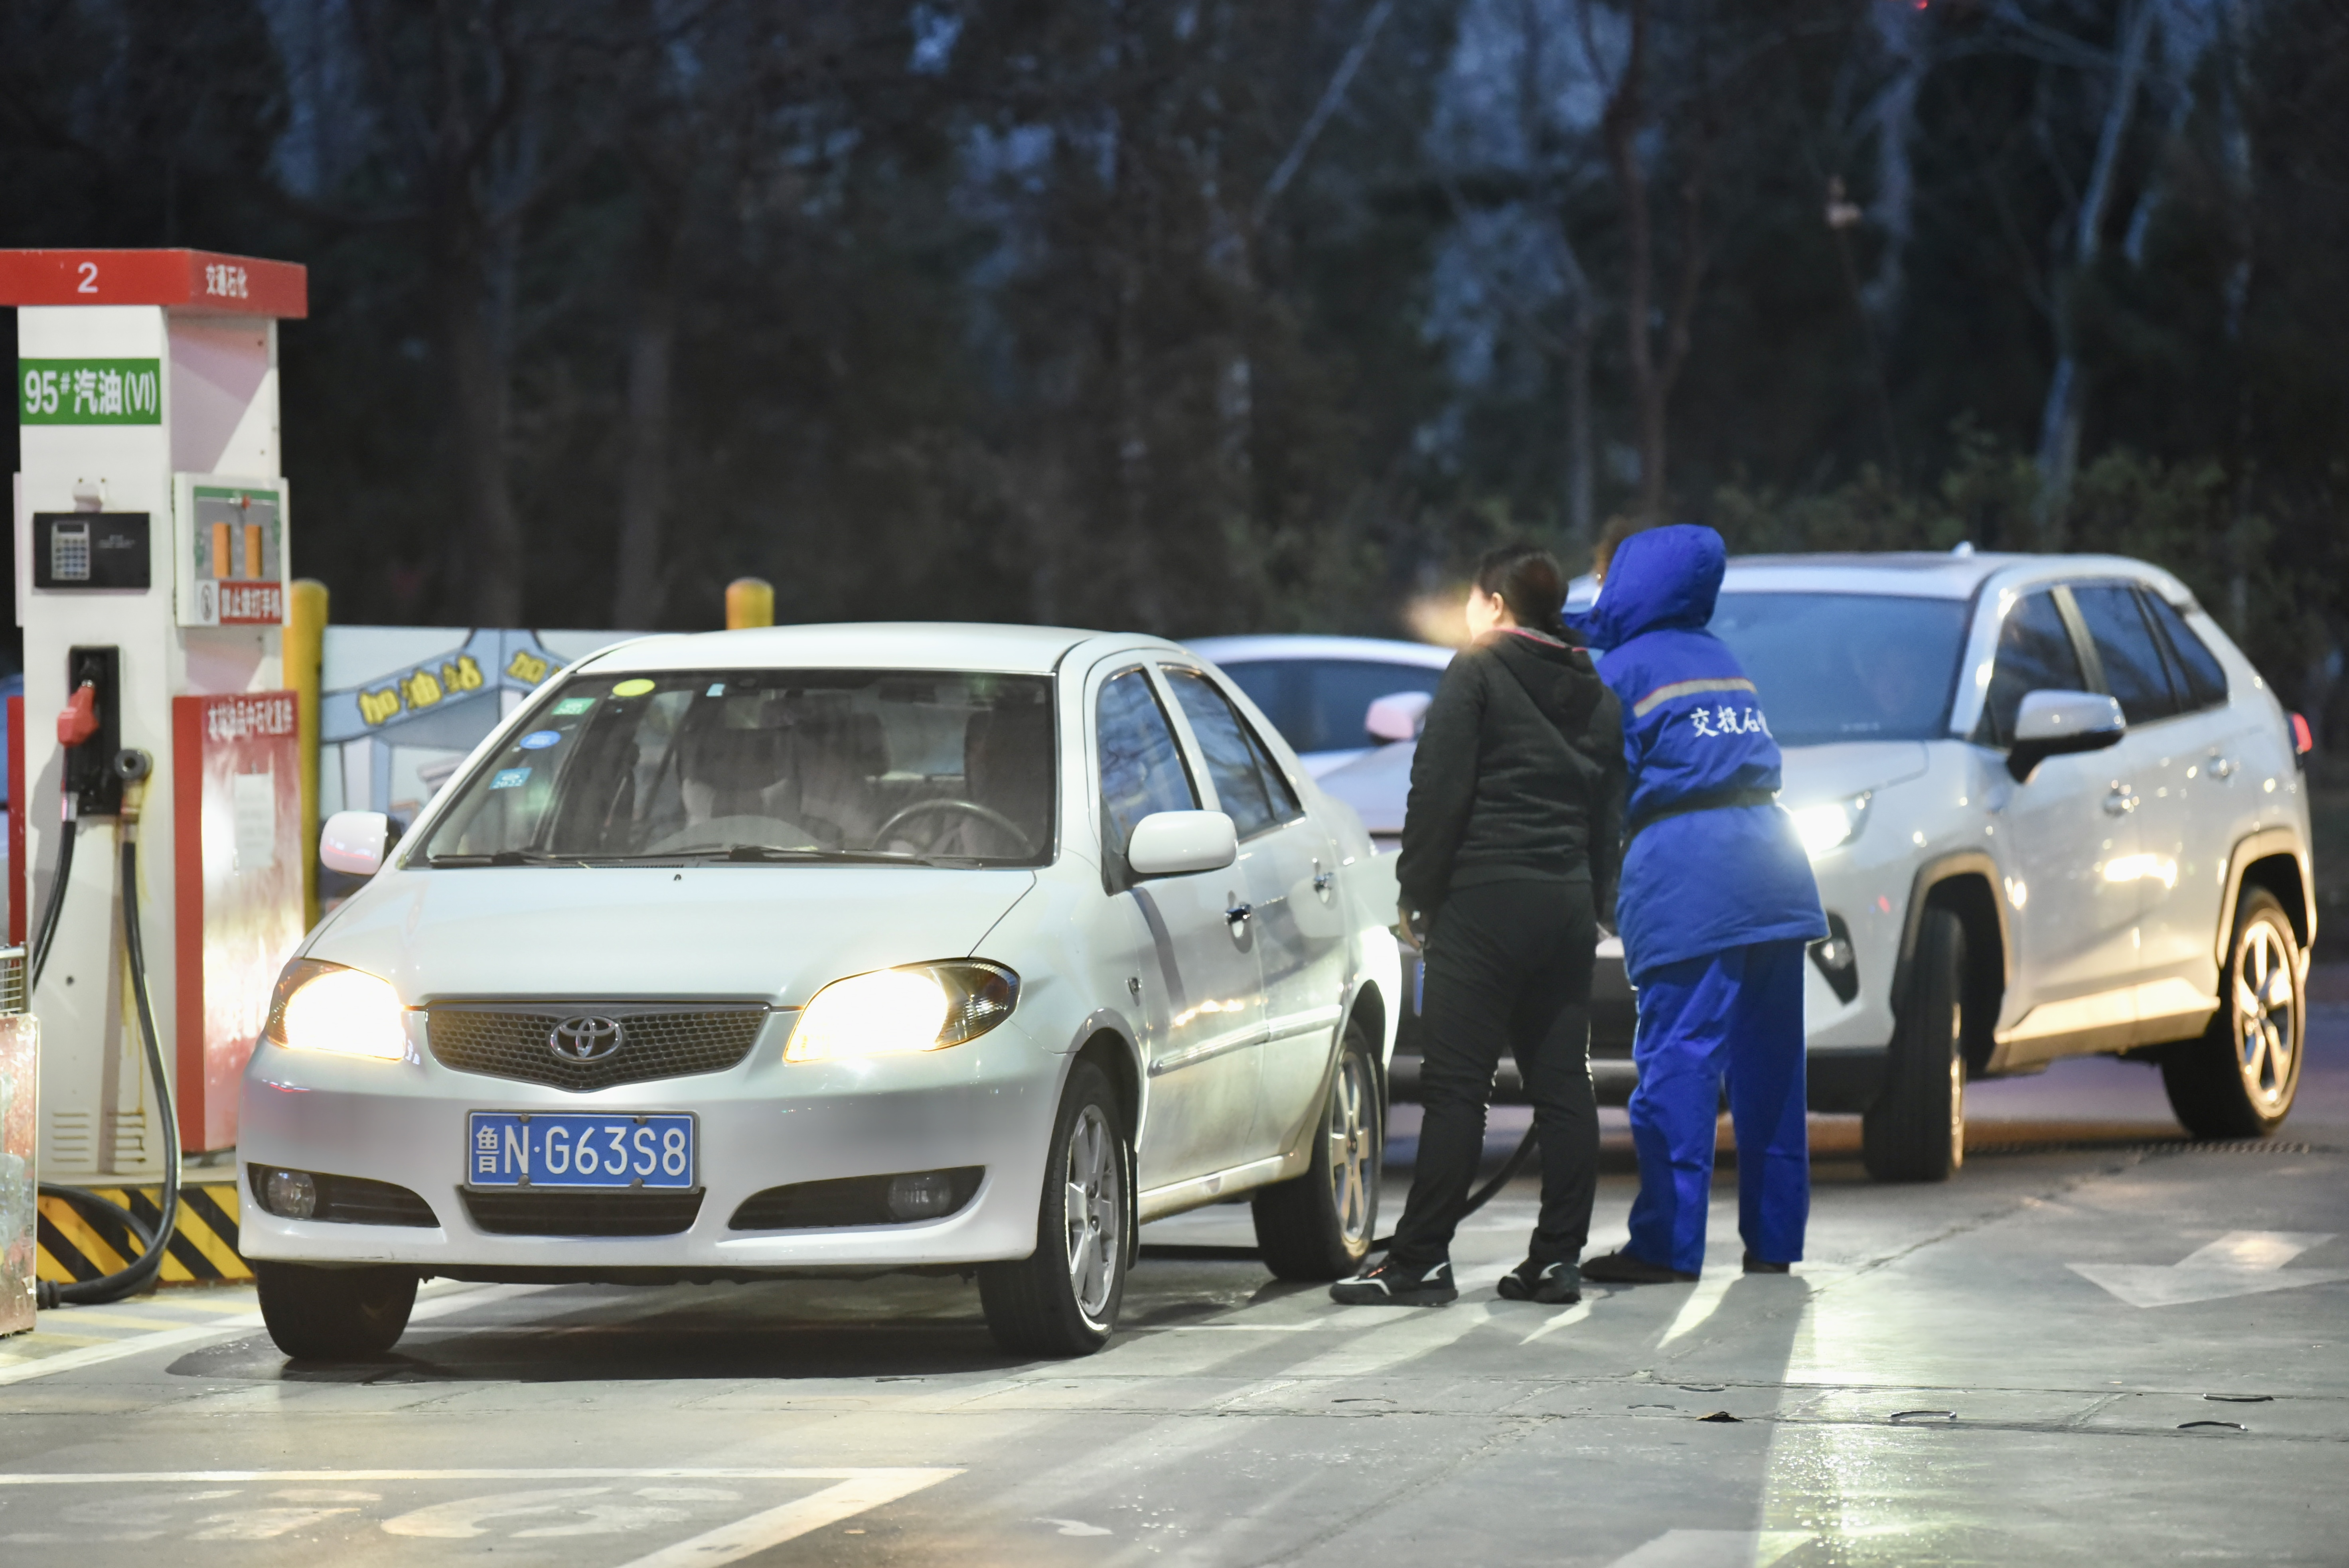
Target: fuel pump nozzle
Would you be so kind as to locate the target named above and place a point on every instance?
(130, 768)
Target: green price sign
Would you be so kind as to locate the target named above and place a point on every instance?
(89, 392)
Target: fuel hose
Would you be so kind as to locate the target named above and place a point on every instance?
(47, 931)
(133, 767)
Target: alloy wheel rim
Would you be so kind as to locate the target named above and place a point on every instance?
(1093, 1209)
(2266, 1041)
(1351, 1148)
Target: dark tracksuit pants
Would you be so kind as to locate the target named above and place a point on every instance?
(1508, 965)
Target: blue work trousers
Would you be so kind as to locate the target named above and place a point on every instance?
(1738, 1013)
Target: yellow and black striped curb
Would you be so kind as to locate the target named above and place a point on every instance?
(82, 1244)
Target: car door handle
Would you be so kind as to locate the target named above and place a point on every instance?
(1239, 912)
(2120, 803)
(2224, 768)
(1323, 881)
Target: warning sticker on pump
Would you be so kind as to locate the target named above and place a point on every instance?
(565, 1148)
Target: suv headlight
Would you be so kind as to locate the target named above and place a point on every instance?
(1830, 825)
(327, 1007)
(918, 1007)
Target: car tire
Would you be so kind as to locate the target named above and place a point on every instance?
(1320, 1225)
(2238, 1079)
(334, 1314)
(1915, 1131)
(1062, 1299)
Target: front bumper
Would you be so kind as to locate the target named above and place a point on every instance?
(765, 1123)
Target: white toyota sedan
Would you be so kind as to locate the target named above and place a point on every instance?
(835, 950)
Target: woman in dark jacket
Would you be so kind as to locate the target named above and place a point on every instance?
(1511, 845)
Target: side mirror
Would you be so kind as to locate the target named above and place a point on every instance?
(355, 842)
(1174, 844)
(1398, 715)
(2058, 723)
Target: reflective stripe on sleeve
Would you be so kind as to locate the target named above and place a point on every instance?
(1687, 688)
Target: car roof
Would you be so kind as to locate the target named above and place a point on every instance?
(868, 645)
(1916, 574)
(1365, 650)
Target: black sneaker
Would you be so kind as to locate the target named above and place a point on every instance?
(1553, 1285)
(1759, 1265)
(1629, 1268)
(1390, 1284)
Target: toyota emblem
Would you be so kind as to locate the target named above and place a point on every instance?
(585, 1039)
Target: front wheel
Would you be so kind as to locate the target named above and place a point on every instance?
(333, 1314)
(1062, 1299)
(1320, 1225)
(1915, 1131)
(2237, 1079)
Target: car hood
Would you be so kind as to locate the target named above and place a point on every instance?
(1815, 773)
(777, 933)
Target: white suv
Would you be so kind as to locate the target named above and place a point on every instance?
(2052, 811)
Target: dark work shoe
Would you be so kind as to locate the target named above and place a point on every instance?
(1390, 1284)
(1553, 1285)
(1629, 1268)
(1758, 1265)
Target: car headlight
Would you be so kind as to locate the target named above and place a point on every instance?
(1831, 824)
(327, 1007)
(919, 1007)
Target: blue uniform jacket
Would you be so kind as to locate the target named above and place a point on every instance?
(1699, 881)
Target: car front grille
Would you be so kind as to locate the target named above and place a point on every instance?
(510, 1040)
(541, 1212)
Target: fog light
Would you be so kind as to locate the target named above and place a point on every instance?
(921, 1197)
(290, 1194)
(1835, 952)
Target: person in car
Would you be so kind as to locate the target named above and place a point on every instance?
(1510, 852)
(1716, 907)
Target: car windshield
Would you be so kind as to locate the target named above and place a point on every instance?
(1847, 666)
(1321, 705)
(766, 765)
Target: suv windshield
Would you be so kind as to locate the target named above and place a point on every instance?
(1847, 666)
(767, 766)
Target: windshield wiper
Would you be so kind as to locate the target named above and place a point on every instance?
(500, 858)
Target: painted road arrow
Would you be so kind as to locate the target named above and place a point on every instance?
(2240, 1262)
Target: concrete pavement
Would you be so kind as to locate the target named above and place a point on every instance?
(2097, 1344)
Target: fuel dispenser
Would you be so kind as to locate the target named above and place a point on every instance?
(154, 781)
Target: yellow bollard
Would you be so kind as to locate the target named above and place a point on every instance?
(305, 657)
(749, 601)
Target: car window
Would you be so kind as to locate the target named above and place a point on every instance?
(1319, 705)
(2035, 654)
(2199, 675)
(1251, 793)
(1141, 767)
(2126, 648)
(767, 764)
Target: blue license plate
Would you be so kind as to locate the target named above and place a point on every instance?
(565, 1149)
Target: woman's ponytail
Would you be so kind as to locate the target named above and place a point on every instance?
(1527, 579)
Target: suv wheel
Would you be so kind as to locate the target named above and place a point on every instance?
(1915, 1131)
(1062, 1299)
(1320, 1225)
(332, 1315)
(2238, 1079)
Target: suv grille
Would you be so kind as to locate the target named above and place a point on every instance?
(546, 1213)
(509, 1040)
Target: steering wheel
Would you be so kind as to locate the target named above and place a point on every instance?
(993, 819)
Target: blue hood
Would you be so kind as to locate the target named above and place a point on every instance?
(1664, 577)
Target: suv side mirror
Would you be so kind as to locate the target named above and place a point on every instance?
(2058, 723)
(355, 842)
(1173, 843)
(1398, 715)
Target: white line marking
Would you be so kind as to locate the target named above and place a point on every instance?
(1073, 1527)
(1571, 1316)
(1713, 1549)
(2240, 1262)
(862, 1490)
(1228, 1327)
(440, 1305)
